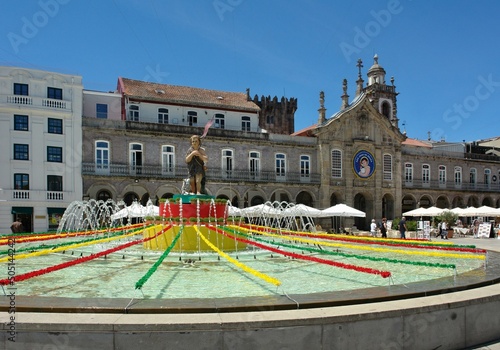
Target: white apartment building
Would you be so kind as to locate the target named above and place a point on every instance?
(41, 142)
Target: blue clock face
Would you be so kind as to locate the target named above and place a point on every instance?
(363, 164)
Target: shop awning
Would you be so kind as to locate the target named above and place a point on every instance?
(51, 211)
(22, 210)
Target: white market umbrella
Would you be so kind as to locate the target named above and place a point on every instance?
(431, 211)
(458, 211)
(482, 211)
(416, 212)
(342, 210)
(434, 211)
(302, 210)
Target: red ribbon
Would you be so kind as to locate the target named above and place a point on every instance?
(384, 274)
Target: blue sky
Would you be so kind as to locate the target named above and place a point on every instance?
(443, 55)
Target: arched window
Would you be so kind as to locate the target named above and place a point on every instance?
(409, 173)
(458, 176)
(103, 195)
(227, 163)
(386, 109)
(305, 167)
(135, 158)
(426, 174)
(168, 159)
(442, 175)
(280, 161)
(254, 164)
(487, 177)
(102, 156)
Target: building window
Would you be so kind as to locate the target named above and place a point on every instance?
(168, 159)
(101, 111)
(386, 109)
(280, 160)
(102, 156)
(458, 176)
(20, 122)
(473, 176)
(426, 174)
(305, 166)
(54, 183)
(163, 115)
(487, 177)
(21, 152)
(254, 164)
(245, 123)
(336, 164)
(133, 113)
(21, 89)
(135, 159)
(442, 175)
(270, 119)
(409, 173)
(227, 162)
(54, 154)
(21, 182)
(219, 121)
(192, 118)
(54, 126)
(103, 195)
(387, 167)
(54, 93)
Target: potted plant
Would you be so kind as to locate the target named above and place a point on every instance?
(450, 218)
(149, 220)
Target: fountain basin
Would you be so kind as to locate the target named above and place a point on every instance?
(189, 242)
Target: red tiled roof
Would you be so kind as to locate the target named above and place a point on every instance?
(416, 143)
(183, 95)
(306, 131)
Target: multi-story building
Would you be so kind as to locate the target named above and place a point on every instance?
(41, 142)
(142, 155)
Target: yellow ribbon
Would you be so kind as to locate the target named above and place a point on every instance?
(358, 247)
(69, 247)
(244, 267)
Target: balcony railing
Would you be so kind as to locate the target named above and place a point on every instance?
(39, 102)
(451, 185)
(35, 195)
(181, 172)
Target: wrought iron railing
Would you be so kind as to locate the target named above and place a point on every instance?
(180, 172)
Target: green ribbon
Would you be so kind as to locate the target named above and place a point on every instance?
(155, 266)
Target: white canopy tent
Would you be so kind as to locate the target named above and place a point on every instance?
(136, 210)
(264, 209)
